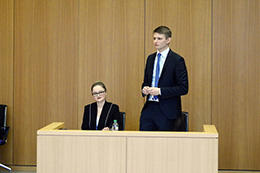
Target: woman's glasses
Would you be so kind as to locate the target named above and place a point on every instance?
(96, 94)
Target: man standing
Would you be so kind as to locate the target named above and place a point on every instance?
(165, 81)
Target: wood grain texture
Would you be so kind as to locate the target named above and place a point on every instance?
(235, 92)
(126, 151)
(46, 61)
(55, 49)
(6, 73)
(190, 22)
(80, 154)
(183, 155)
(111, 50)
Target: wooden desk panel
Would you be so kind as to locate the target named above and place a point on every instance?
(69, 154)
(183, 155)
(80, 151)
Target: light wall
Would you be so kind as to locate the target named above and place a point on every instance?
(6, 71)
(236, 81)
(51, 51)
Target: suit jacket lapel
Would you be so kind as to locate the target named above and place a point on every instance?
(151, 69)
(103, 114)
(93, 115)
(166, 63)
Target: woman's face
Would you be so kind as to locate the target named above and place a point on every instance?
(99, 93)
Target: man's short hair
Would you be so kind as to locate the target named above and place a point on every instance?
(163, 30)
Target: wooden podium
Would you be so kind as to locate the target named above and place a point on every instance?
(80, 151)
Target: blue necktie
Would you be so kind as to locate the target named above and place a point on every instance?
(157, 72)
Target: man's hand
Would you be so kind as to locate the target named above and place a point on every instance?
(154, 91)
(145, 90)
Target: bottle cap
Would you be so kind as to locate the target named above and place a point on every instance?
(115, 121)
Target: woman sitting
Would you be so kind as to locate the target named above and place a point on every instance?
(101, 114)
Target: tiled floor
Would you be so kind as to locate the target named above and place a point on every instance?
(218, 172)
(221, 171)
(238, 172)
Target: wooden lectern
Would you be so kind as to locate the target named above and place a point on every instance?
(78, 151)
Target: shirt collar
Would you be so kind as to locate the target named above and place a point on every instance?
(164, 53)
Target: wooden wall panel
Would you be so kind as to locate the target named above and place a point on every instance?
(45, 70)
(190, 22)
(62, 46)
(112, 51)
(236, 80)
(6, 73)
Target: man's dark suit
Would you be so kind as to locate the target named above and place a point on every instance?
(173, 83)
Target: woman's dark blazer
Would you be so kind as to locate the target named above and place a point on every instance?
(110, 112)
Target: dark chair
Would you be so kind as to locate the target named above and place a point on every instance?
(122, 124)
(181, 123)
(3, 130)
(185, 116)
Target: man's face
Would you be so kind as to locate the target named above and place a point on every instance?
(160, 42)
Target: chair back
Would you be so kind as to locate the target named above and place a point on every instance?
(3, 128)
(3, 110)
(122, 115)
(186, 120)
(181, 123)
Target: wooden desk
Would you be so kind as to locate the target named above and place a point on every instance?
(78, 151)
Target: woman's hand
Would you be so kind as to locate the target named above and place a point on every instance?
(105, 129)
